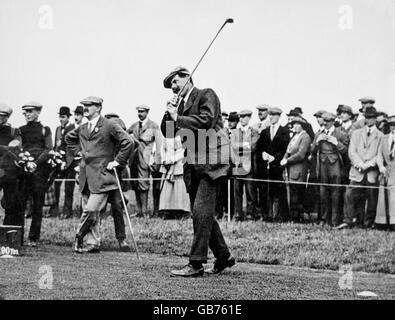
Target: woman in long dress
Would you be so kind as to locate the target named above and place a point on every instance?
(174, 199)
(385, 215)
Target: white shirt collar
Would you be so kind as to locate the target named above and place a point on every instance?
(93, 122)
(187, 95)
(347, 125)
(245, 128)
(144, 122)
(331, 130)
(372, 129)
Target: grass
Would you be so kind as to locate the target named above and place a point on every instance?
(288, 244)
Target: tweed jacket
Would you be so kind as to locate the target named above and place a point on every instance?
(297, 156)
(364, 150)
(98, 148)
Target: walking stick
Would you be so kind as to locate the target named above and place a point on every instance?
(287, 188)
(386, 201)
(126, 213)
(268, 201)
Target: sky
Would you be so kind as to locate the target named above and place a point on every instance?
(313, 54)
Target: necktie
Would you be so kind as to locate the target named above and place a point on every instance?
(271, 133)
(369, 132)
(140, 127)
(90, 127)
(180, 109)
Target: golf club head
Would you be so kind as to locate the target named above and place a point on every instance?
(229, 20)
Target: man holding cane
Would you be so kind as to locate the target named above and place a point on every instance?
(99, 139)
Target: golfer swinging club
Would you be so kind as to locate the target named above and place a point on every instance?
(199, 110)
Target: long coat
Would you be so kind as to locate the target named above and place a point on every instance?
(201, 116)
(364, 150)
(296, 156)
(98, 148)
(384, 160)
(276, 147)
(146, 154)
(243, 150)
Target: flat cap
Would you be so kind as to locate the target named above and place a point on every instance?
(263, 107)
(296, 111)
(143, 107)
(275, 110)
(391, 120)
(245, 112)
(298, 119)
(92, 100)
(111, 115)
(5, 109)
(224, 114)
(79, 110)
(178, 70)
(319, 113)
(367, 100)
(32, 105)
(328, 116)
(347, 109)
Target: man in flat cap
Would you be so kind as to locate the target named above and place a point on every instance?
(195, 115)
(243, 141)
(37, 140)
(296, 163)
(270, 150)
(263, 115)
(330, 146)
(105, 146)
(363, 153)
(145, 160)
(366, 102)
(68, 173)
(10, 143)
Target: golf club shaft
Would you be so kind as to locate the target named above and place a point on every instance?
(126, 213)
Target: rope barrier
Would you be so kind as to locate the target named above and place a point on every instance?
(268, 181)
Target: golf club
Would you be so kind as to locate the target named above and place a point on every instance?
(229, 20)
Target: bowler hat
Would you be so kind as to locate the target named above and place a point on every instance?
(370, 112)
(111, 116)
(79, 110)
(224, 114)
(178, 70)
(32, 105)
(5, 109)
(233, 116)
(367, 100)
(64, 111)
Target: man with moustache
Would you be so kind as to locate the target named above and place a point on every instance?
(105, 146)
(195, 113)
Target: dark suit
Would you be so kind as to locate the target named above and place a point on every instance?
(202, 112)
(243, 157)
(330, 165)
(67, 173)
(277, 148)
(105, 143)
